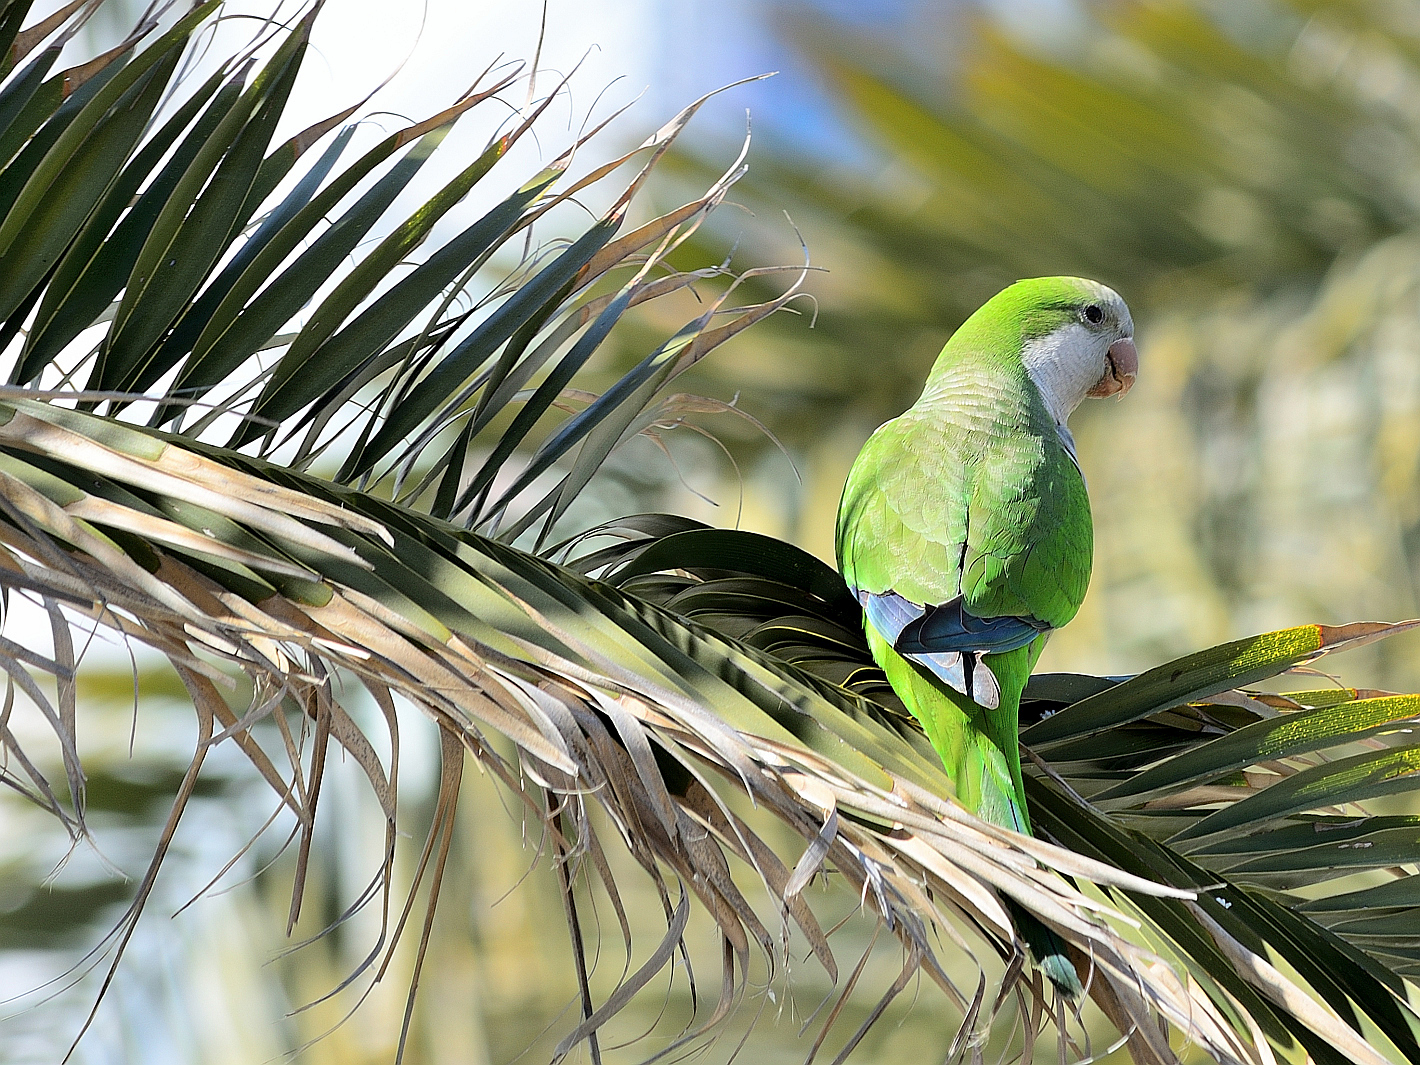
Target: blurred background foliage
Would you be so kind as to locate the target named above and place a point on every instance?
(1247, 174)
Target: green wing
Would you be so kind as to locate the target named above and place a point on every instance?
(1030, 541)
(970, 493)
(903, 519)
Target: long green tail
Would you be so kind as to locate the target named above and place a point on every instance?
(980, 750)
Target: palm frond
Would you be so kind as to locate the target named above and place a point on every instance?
(1182, 775)
(656, 716)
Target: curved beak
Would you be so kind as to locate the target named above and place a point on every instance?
(1122, 361)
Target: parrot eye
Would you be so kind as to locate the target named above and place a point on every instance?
(1093, 314)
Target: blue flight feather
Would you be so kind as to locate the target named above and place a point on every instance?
(948, 627)
(960, 668)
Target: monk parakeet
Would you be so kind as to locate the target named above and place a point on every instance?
(964, 529)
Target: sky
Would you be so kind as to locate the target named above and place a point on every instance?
(655, 55)
(651, 57)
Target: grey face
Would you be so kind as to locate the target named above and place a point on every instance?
(1092, 355)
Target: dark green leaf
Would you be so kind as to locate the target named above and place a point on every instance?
(1368, 846)
(185, 333)
(17, 173)
(1363, 776)
(713, 550)
(190, 233)
(314, 363)
(1199, 675)
(12, 17)
(61, 154)
(602, 424)
(52, 917)
(1306, 832)
(79, 186)
(537, 405)
(1279, 737)
(17, 120)
(234, 331)
(471, 353)
(1087, 833)
(94, 269)
(1403, 891)
(635, 532)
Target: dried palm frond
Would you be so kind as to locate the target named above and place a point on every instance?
(599, 691)
(1145, 774)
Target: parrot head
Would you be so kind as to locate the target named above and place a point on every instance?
(1077, 339)
(1074, 337)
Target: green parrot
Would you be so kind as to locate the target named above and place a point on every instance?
(964, 531)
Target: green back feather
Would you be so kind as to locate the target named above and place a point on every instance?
(970, 493)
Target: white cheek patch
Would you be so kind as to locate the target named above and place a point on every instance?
(1064, 365)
